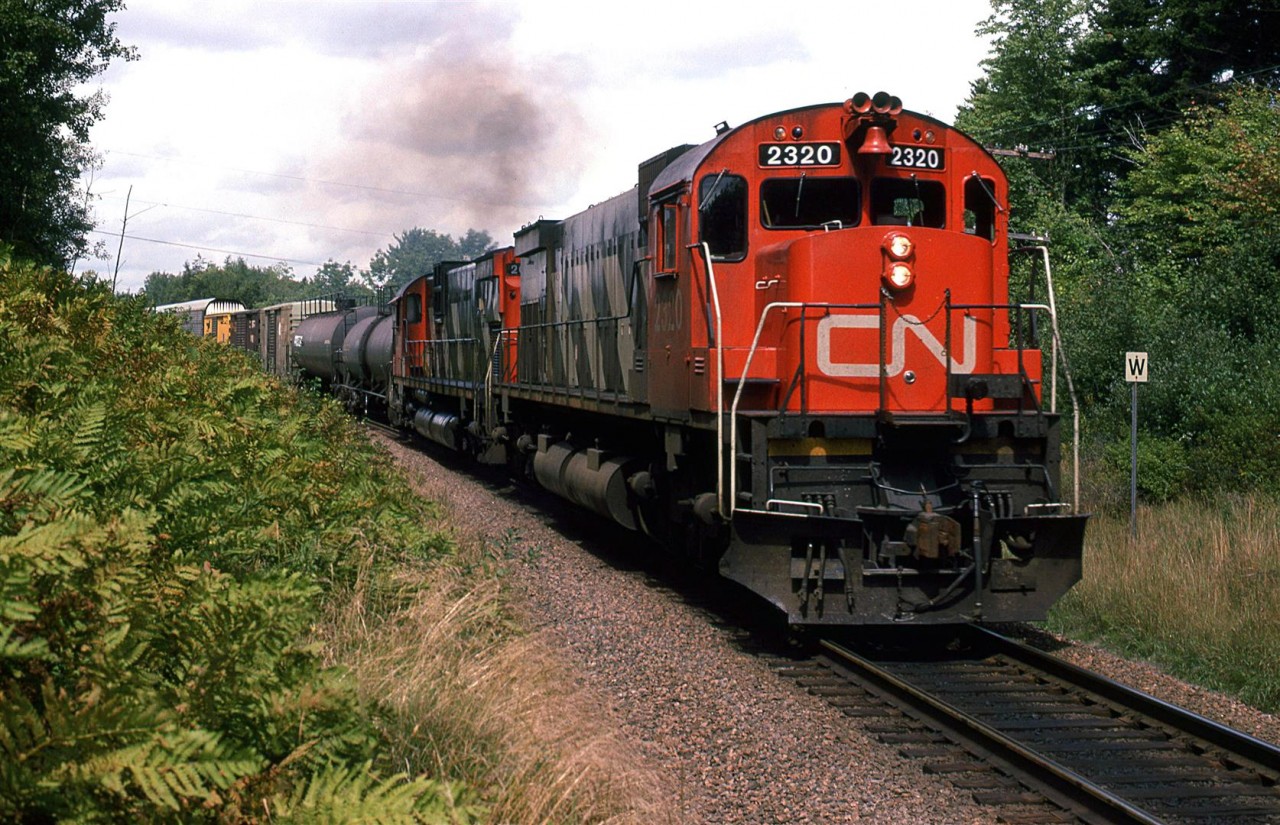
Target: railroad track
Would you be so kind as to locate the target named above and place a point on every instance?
(385, 429)
(1040, 739)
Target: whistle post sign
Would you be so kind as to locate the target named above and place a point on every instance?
(1135, 372)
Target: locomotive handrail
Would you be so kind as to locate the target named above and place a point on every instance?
(525, 331)
(488, 379)
(737, 397)
(435, 348)
(719, 343)
(1066, 370)
(1071, 390)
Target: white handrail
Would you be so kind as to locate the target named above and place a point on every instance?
(1053, 401)
(715, 300)
(737, 397)
(1066, 371)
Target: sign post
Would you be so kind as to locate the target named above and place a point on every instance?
(1135, 372)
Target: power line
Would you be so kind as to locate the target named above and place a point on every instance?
(1099, 128)
(320, 181)
(262, 218)
(210, 249)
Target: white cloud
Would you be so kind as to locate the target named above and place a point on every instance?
(312, 130)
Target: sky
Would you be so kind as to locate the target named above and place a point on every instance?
(301, 131)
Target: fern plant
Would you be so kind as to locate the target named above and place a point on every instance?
(171, 524)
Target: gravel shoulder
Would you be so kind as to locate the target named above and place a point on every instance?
(735, 742)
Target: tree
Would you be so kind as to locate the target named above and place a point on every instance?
(417, 251)
(1146, 61)
(1199, 188)
(1197, 223)
(1031, 97)
(333, 276)
(1088, 78)
(49, 48)
(232, 280)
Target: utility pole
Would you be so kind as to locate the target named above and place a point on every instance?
(123, 224)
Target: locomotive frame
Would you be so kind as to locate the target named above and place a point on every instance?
(788, 353)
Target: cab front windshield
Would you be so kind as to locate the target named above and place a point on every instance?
(810, 203)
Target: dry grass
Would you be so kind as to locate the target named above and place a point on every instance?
(470, 697)
(1194, 592)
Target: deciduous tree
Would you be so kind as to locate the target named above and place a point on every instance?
(417, 251)
(48, 50)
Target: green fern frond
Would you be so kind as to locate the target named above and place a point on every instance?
(44, 493)
(174, 770)
(14, 646)
(90, 422)
(17, 596)
(16, 432)
(353, 794)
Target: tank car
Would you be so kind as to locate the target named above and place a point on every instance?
(789, 353)
(349, 352)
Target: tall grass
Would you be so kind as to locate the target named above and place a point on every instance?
(1194, 592)
(467, 696)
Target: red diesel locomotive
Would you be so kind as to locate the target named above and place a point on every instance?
(790, 352)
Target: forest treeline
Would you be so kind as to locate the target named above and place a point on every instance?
(1160, 204)
(413, 253)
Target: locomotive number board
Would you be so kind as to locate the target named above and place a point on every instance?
(917, 157)
(800, 154)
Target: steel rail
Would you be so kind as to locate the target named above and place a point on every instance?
(1264, 755)
(1056, 782)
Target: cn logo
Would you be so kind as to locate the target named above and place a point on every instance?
(897, 346)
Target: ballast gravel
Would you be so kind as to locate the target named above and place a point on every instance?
(736, 742)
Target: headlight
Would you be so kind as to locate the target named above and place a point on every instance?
(899, 246)
(899, 276)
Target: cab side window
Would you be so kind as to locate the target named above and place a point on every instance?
(980, 208)
(722, 215)
(670, 238)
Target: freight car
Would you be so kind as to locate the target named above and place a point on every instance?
(268, 332)
(209, 317)
(789, 353)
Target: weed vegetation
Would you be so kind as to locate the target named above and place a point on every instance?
(219, 603)
(1194, 592)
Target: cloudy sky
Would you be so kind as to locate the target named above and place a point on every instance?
(300, 131)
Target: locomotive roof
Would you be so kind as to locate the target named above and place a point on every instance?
(681, 170)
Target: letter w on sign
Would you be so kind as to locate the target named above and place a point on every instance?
(1135, 367)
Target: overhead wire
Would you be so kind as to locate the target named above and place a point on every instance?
(318, 181)
(208, 248)
(168, 205)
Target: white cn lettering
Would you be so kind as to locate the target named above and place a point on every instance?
(897, 345)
